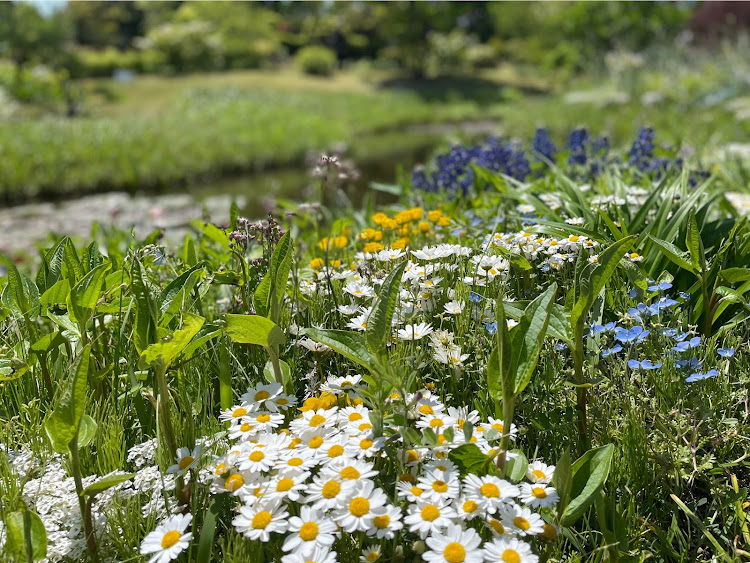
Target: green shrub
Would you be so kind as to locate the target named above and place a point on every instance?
(316, 59)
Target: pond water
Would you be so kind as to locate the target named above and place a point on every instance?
(377, 159)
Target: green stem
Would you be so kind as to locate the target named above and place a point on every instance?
(509, 404)
(225, 376)
(581, 392)
(706, 307)
(88, 528)
(165, 422)
(276, 365)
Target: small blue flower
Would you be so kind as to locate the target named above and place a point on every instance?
(663, 286)
(725, 352)
(561, 346)
(491, 328)
(609, 351)
(687, 344)
(635, 335)
(633, 293)
(698, 376)
(645, 364)
(459, 232)
(679, 336)
(692, 363)
(684, 295)
(475, 297)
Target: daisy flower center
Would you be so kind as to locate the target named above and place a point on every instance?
(538, 474)
(308, 531)
(359, 506)
(295, 461)
(234, 482)
(426, 409)
(435, 422)
(549, 532)
(336, 450)
(470, 506)
(256, 456)
(170, 538)
(511, 556)
(430, 513)
(497, 426)
(497, 526)
(416, 491)
(261, 395)
(349, 472)
(185, 462)
(374, 556)
(355, 416)
(539, 492)
(365, 444)
(284, 485)
(454, 553)
(246, 427)
(282, 402)
(239, 412)
(317, 420)
(490, 490)
(412, 456)
(315, 442)
(440, 486)
(521, 523)
(381, 522)
(331, 489)
(264, 417)
(365, 426)
(261, 520)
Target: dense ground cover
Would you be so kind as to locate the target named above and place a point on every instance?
(419, 380)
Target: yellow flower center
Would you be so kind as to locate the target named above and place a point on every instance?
(490, 490)
(261, 395)
(349, 472)
(497, 426)
(295, 461)
(308, 531)
(430, 513)
(470, 506)
(416, 491)
(185, 462)
(439, 486)
(549, 533)
(246, 427)
(412, 456)
(426, 409)
(234, 482)
(573, 238)
(511, 556)
(170, 538)
(408, 477)
(355, 416)
(256, 456)
(381, 522)
(454, 553)
(220, 468)
(331, 489)
(372, 557)
(521, 523)
(497, 526)
(435, 422)
(365, 426)
(317, 420)
(295, 442)
(315, 442)
(264, 417)
(284, 485)
(539, 492)
(282, 401)
(538, 474)
(365, 444)
(261, 520)
(239, 412)
(359, 506)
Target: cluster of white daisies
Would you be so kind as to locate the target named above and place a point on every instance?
(310, 481)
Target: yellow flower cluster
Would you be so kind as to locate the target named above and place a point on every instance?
(404, 224)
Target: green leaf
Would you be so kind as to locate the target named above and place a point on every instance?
(16, 528)
(593, 279)
(590, 471)
(85, 294)
(499, 375)
(172, 298)
(349, 344)
(172, 345)
(527, 338)
(51, 270)
(468, 458)
(106, 483)
(62, 426)
(145, 310)
(559, 324)
(379, 321)
(735, 275)
(56, 296)
(515, 467)
(12, 368)
(21, 295)
(206, 333)
(286, 372)
(254, 329)
(86, 431)
(563, 481)
(208, 530)
(74, 270)
(270, 292)
(694, 244)
(702, 527)
(674, 254)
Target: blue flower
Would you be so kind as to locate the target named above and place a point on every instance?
(679, 336)
(561, 346)
(596, 329)
(692, 363)
(634, 335)
(609, 351)
(645, 364)
(725, 352)
(475, 297)
(663, 286)
(684, 295)
(542, 145)
(687, 344)
(633, 293)
(698, 376)
(491, 328)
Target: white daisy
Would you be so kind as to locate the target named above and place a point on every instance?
(308, 531)
(186, 460)
(168, 540)
(455, 545)
(261, 396)
(386, 522)
(318, 555)
(521, 520)
(288, 485)
(454, 307)
(259, 521)
(538, 472)
(357, 510)
(509, 549)
(326, 493)
(414, 331)
(439, 486)
(427, 518)
(489, 492)
(538, 494)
